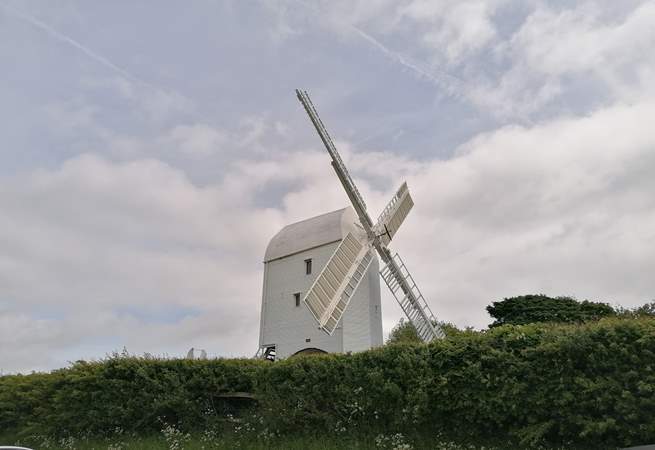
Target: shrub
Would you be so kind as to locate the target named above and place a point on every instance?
(569, 385)
(527, 309)
(403, 333)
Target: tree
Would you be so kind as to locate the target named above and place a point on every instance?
(526, 309)
(645, 310)
(403, 333)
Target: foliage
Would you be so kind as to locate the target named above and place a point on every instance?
(645, 310)
(527, 309)
(133, 394)
(403, 333)
(589, 384)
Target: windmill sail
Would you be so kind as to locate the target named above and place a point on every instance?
(337, 162)
(394, 214)
(332, 290)
(409, 297)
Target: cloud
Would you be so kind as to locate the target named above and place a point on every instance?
(512, 60)
(451, 30)
(197, 140)
(568, 52)
(94, 237)
(580, 40)
(96, 251)
(454, 30)
(562, 208)
(153, 105)
(139, 218)
(158, 102)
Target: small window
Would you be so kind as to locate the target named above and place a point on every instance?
(308, 340)
(308, 266)
(296, 297)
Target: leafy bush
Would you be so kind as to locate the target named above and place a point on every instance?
(405, 333)
(645, 310)
(133, 394)
(564, 385)
(527, 309)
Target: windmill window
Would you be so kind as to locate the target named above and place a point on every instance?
(296, 297)
(308, 266)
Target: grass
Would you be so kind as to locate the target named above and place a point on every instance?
(196, 442)
(173, 439)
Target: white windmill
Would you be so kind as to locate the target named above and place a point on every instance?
(344, 298)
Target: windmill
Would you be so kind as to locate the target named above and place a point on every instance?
(332, 290)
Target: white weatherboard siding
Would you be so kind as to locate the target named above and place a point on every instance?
(288, 326)
(285, 324)
(363, 313)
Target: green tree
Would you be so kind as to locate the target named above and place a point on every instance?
(403, 333)
(527, 309)
(645, 310)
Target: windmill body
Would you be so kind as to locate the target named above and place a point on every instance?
(347, 267)
(293, 260)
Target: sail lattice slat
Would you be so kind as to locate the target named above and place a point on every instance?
(413, 304)
(394, 214)
(332, 290)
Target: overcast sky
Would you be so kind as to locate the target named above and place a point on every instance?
(149, 151)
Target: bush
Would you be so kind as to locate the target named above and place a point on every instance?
(527, 309)
(125, 392)
(562, 385)
(405, 333)
(645, 310)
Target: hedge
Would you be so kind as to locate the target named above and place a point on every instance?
(571, 385)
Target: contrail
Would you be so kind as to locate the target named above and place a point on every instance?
(453, 85)
(450, 82)
(70, 41)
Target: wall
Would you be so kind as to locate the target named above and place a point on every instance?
(284, 324)
(362, 321)
(289, 326)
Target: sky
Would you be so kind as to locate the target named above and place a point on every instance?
(149, 151)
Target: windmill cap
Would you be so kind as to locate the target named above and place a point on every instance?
(311, 233)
